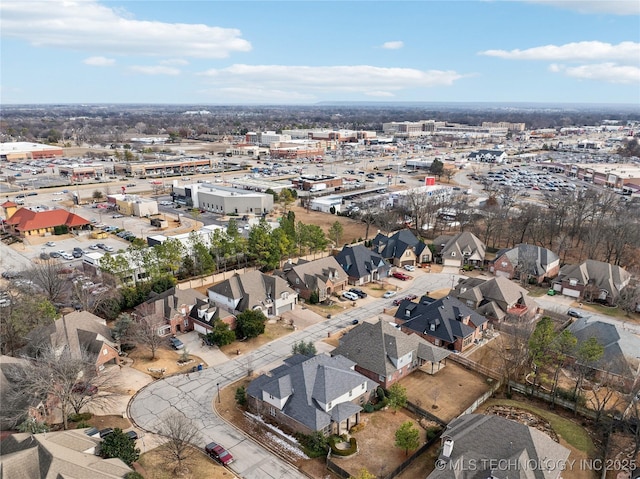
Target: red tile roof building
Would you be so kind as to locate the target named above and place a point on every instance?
(24, 222)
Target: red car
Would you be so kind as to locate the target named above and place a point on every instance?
(400, 275)
(219, 453)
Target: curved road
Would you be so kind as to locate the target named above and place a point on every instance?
(194, 396)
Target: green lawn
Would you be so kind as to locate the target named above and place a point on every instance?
(571, 432)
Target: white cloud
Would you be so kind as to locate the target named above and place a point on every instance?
(607, 72)
(174, 61)
(577, 51)
(386, 94)
(87, 25)
(397, 45)
(99, 61)
(154, 70)
(363, 79)
(615, 7)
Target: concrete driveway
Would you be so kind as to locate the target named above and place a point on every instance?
(194, 396)
(211, 355)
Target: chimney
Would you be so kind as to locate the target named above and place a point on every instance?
(447, 448)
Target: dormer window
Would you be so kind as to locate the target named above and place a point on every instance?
(297, 280)
(573, 282)
(453, 253)
(407, 313)
(432, 327)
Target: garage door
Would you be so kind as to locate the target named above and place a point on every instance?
(284, 307)
(200, 329)
(573, 293)
(502, 274)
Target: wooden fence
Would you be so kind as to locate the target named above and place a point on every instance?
(474, 366)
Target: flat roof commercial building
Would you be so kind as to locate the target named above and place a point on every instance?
(23, 150)
(222, 200)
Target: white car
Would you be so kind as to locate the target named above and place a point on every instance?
(66, 256)
(350, 296)
(389, 294)
(50, 243)
(409, 267)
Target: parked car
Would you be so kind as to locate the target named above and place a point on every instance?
(359, 292)
(93, 246)
(409, 267)
(401, 276)
(219, 453)
(77, 254)
(575, 314)
(117, 215)
(50, 243)
(350, 296)
(105, 432)
(132, 435)
(176, 343)
(54, 254)
(389, 294)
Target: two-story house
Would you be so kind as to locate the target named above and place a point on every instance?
(254, 290)
(362, 265)
(171, 309)
(497, 299)
(592, 280)
(385, 354)
(305, 394)
(401, 248)
(322, 276)
(459, 250)
(447, 322)
(526, 262)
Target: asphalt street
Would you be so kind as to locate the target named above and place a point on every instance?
(194, 396)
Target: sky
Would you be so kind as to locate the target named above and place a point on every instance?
(302, 52)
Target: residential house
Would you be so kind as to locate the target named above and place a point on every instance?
(254, 290)
(592, 281)
(308, 394)
(459, 250)
(497, 299)
(322, 276)
(172, 309)
(526, 262)
(402, 248)
(362, 265)
(80, 332)
(57, 454)
(493, 446)
(13, 413)
(204, 314)
(25, 222)
(385, 354)
(448, 322)
(621, 358)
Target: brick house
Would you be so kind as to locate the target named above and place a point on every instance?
(308, 394)
(173, 309)
(459, 250)
(533, 262)
(402, 248)
(447, 322)
(323, 276)
(497, 299)
(385, 354)
(362, 265)
(592, 281)
(25, 222)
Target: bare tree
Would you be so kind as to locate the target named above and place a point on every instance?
(26, 311)
(435, 395)
(181, 434)
(59, 378)
(145, 328)
(45, 275)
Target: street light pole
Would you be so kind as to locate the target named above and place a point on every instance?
(218, 385)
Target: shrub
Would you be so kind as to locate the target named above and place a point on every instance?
(380, 393)
(368, 407)
(357, 428)
(241, 396)
(133, 475)
(353, 446)
(314, 445)
(83, 425)
(83, 416)
(432, 432)
(314, 297)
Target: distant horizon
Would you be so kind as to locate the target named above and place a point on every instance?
(223, 52)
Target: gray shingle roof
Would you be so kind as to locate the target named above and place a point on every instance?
(394, 246)
(359, 261)
(374, 346)
(605, 276)
(306, 382)
(252, 289)
(484, 439)
(443, 315)
(535, 259)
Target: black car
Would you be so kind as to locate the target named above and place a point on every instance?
(54, 254)
(359, 292)
(132, 435)
(105, 432)
(32, 193)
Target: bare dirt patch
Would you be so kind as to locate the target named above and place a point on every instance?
(166, 359)
(353, 230)
(152, 465)
(458, 388)
(272, 331)
(102, 422)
